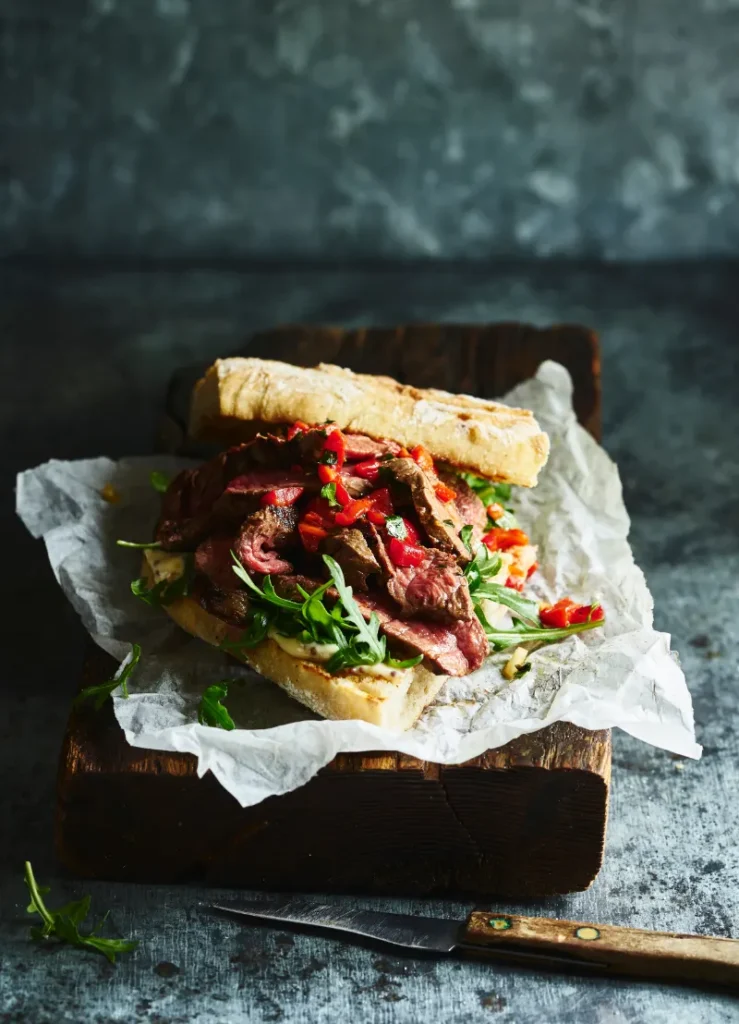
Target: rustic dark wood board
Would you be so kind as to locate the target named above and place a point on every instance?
(525, 820)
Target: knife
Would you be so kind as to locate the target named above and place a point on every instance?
(533, 941)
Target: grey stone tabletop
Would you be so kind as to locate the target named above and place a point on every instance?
(85, 360)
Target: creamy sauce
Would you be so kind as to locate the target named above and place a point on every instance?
(165, 565)
(322, 652)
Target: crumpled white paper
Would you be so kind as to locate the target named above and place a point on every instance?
(621, 675)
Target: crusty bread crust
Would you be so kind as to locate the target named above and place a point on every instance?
(391, 704)
(486, 437)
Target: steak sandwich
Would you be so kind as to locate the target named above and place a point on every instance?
(352, 544)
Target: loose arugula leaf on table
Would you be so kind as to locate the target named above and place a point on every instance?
(501, 639)
(165, 591)
(99, 694)
(64, 923)
(159, 481)
(135, 544)
(211, 711)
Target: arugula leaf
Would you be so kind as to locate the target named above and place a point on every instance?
(403, 663)
(268, 592)
(522, 607)
(165, 591)
(159, 481)
(63, 924)
(387, 457)
(503, 638)
(368, 631)
(135, 544)
(99, 694)
(465, 535)
(211, 711)
(487, 491)
(258, 623)
(483, 567)
(396, 527)
(328, 491)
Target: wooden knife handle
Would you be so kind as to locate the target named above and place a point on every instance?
(615, 950)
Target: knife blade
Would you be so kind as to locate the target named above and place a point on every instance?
(533, 941)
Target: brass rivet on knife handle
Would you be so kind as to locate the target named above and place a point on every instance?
(609, 947)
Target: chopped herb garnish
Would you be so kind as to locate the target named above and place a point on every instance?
(211, 711)
(396, 527)
(328, 491)
(99, 694)
(64, 923)
(141, 546)
(387, 457)
(449, 522)
(522, 671)
(159, 481)
(329, 457)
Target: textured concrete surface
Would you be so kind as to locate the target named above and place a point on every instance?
(85, 359)
(370, 128)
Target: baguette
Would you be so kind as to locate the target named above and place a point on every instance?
(486, 437)
(393, 704)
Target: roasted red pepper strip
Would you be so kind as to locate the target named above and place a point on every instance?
(342, 495)
(298, 427)
(282, 496)
(412, 534)
(353, 511)
(311, 536)
(327, 474)
(423, 457)
(501, 540)
(402, 553)
(566, 613)
(368, 470)
(382, 502)
(335, 442)
(378, 518)
(444, 493)
(495, 511)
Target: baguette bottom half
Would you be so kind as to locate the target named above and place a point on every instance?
(391, 704)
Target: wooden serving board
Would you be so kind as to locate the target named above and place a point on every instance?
(525, 820)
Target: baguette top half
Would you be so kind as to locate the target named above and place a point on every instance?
(494, 440)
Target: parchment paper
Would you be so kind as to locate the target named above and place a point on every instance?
(622, 675)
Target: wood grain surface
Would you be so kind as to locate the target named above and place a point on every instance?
(525, 820)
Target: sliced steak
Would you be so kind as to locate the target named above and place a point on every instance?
(230, 606)
(260, 481)
(439, 519)
(287, 586)
(357, 486)
(353, 554)
(264, 533)
(436, 642)
(213, 559)
(472, 641)
(359, 447)
(469, 507)
(435, 589)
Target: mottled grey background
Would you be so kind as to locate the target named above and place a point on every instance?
(370, 129)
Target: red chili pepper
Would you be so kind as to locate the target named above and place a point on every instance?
(353, 511)
(501, 540)
(558, 615)
(423, 457)
(298, 427)
(495, 511)
(382, 501)
(515, 582)
(311, 536)
(588, 613)
(368, 470)
(327, 474)
(282, 496)
(412, 534)
(319, 507)
(402, 553)
(335, 442)
(342, 495)
(444, 493)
